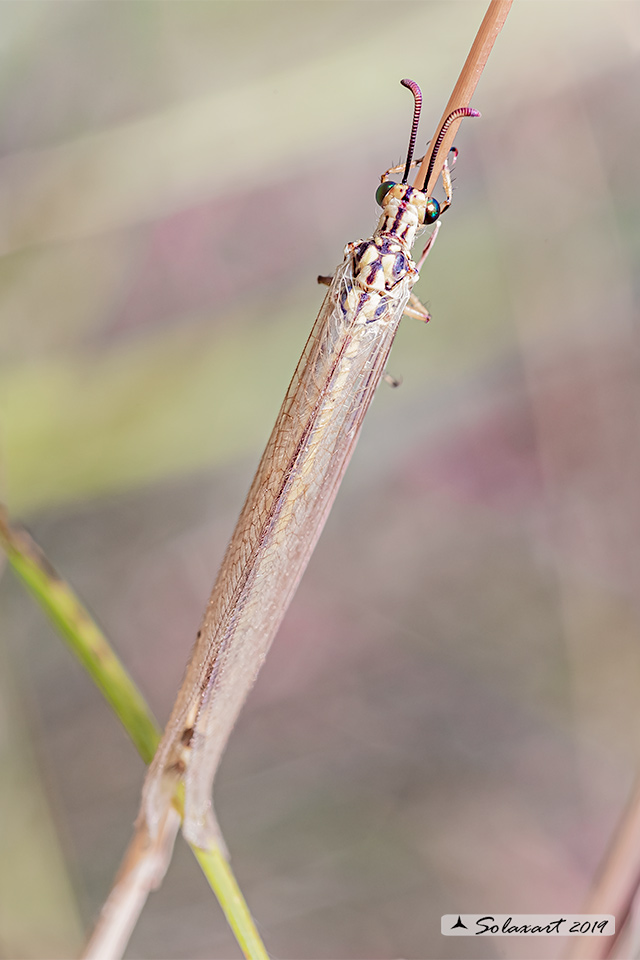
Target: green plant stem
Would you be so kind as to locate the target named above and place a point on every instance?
(83, 636)
(95, 653)
(223, 883)
(219, 874)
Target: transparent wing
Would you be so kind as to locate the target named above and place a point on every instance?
(290, 497)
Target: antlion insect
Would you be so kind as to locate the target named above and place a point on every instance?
(290, 498)
(293, 490)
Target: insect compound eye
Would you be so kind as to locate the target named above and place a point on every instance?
(431, 211)
(383, 190)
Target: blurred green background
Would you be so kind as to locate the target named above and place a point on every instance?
(448, 720)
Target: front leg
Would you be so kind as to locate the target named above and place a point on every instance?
(400, 169)
(428, 246)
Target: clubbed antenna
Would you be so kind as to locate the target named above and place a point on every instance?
(417, 96)
(455, 115)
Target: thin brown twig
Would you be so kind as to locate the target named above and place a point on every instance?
(616, 884)
(142, 870)
(464, 89)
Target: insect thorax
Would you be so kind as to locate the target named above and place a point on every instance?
(382, 263)
(403, 213)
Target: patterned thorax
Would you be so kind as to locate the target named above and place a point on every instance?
(383, 262)
(403, 210)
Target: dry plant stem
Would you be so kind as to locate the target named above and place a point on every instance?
(464, 89)
(616, 886)
(141, 871)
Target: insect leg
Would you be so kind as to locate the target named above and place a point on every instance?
(417, 310)
(446, 181)
(428, 246)
(399, 169)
